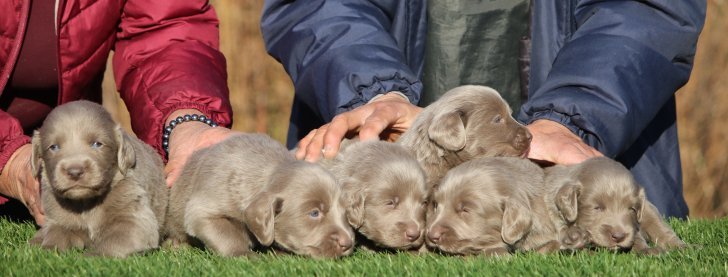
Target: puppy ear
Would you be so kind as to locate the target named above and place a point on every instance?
(516, 221)
(354, 202)
(567, 200)
(36, 163)
(126, 158)
(448, 131)
(642, 202)
(259, 217)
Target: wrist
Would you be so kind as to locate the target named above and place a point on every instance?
(183, 123)
(551, 126)
(390, 96)
(18, 165)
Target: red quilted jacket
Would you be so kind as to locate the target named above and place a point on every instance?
(166, 58)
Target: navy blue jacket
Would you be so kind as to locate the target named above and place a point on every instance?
(607, 70)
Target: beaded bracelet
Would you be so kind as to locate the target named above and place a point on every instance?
(179, 120)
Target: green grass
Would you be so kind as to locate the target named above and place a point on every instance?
(707, 257)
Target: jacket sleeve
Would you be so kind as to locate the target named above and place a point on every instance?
(620, 66)
(11, 138)
(340, 54)
(167, 58)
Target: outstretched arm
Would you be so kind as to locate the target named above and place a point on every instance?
(342, 54)
(619, 65)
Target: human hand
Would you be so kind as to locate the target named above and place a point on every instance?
(17, 181)
(187, 138)
(553, 143)
(386, 117)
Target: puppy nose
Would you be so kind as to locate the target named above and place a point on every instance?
(343, 241)
(435, 234)
(618, 236)
(412, 234)
(74, 172)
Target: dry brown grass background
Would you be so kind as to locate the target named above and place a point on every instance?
(261, 94)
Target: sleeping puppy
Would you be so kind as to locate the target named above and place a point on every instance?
(250, 184)
(102, 189)
(490, 206)
(601, 197)
(465, 123)
(384, 190)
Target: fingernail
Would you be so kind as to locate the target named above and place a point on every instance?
(327, 149)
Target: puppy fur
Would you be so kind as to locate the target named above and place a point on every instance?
(384, 190)
(102, 189)
(601, 197)
(465, 123)
(490, 206)
(250, 184)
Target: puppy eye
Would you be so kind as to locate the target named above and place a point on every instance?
(463, 209)
(424, 203)
(598, 208)
(96, 144)
(633, 210)
(314, 214)
(498, 119)
(393, 202)
(54, 147)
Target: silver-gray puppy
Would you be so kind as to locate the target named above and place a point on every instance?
(384, 189)
(250, 184)
(602, 197)
(465, 123)
(102, 189)
(491, 206)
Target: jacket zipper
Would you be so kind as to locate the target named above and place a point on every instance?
(20, 35)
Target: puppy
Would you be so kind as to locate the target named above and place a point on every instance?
(384, 190)
(490, 206)
(601, 197)
(250, 184)
(465, 123)
(102, 189)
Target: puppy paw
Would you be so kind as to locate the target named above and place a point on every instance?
(675, 243)
(37, 239)
(60, 239)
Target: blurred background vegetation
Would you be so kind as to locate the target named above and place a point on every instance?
(261, 94)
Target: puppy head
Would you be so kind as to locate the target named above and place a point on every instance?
(609, 204)
(475, 121)
(79, 149)
(301, 211)
(476, 208)
(386, 193)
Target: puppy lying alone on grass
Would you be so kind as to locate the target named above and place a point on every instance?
(491, 206)
(250, 184)
(102, 189)
(601, 197)
(465, 123)
(384, 190)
